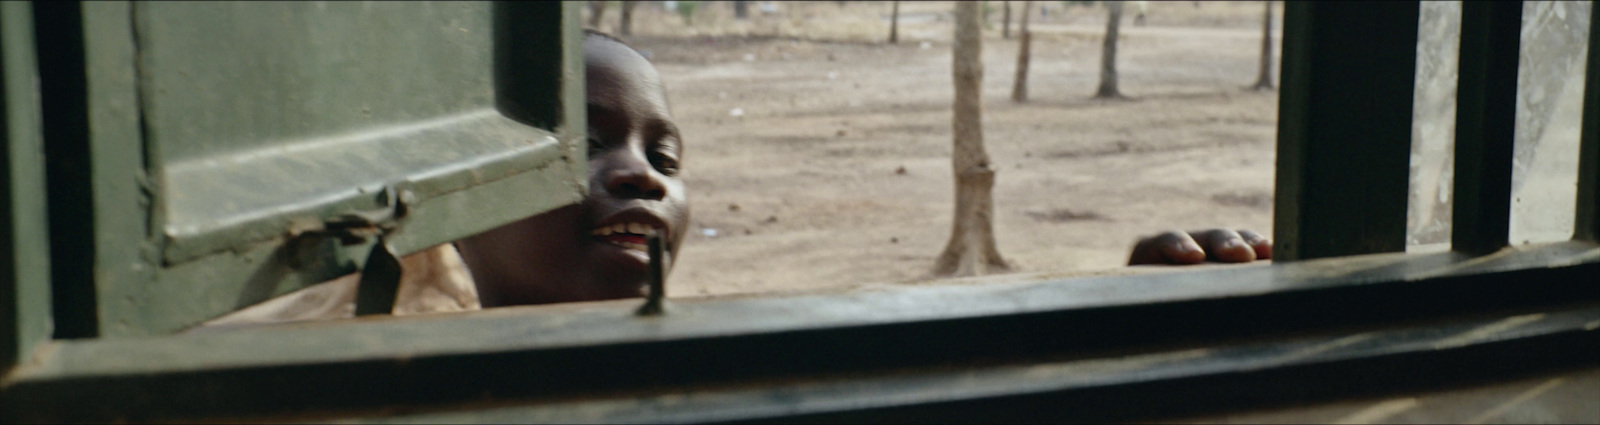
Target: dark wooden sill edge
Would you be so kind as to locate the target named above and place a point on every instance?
(600, 348)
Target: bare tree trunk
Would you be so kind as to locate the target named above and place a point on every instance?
(1264, 81)
(971, 250)
(1005, 27)
(894, 23)
(1108, 54)
(597, 10)
(741, 9)
(1019, 88)
(625, 26)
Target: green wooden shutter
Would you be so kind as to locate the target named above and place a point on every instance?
(218, 133)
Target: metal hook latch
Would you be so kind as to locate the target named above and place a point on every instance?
(654, 303)
(380, 274)
(380, 280)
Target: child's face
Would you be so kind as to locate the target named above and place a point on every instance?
(578, 252)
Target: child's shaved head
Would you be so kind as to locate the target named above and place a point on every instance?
(610, 64)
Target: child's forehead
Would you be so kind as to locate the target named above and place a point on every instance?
(615, 70)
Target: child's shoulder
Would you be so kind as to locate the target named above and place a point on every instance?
(434, 280)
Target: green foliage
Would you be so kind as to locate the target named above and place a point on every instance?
(686, 9)
(988, 12)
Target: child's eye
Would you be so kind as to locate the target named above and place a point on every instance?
(664, 163)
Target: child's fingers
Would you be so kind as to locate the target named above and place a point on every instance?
(1167, 248)
(1262, 245)
(1223, 245)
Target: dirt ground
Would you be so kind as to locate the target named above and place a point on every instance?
(818, 155)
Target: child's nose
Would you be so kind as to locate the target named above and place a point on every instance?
(629, 176)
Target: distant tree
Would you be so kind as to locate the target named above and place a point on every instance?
(1005, 29)
(971, 249)
(894, 23)
(686, 10)
(1264, 80)
(1019, 88)
(597, 10)
(988, 12)
(625, 27)
(741, 9)
(1108, 54)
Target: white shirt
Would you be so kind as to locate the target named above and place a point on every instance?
(434, 280)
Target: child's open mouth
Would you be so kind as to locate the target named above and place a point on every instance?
(627, 235)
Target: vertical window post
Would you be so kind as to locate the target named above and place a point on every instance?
(1486, 107)
(1589, 150)
(1344, 128)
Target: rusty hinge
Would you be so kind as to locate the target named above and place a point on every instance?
(357, 226)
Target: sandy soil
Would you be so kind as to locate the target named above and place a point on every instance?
(818, 156)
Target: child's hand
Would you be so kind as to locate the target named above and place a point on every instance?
(1220, 245)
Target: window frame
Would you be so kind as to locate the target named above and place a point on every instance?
(1283, 331)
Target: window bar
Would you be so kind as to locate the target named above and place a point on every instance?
(1589, 150)
(1486, 106)
(1344, 128)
